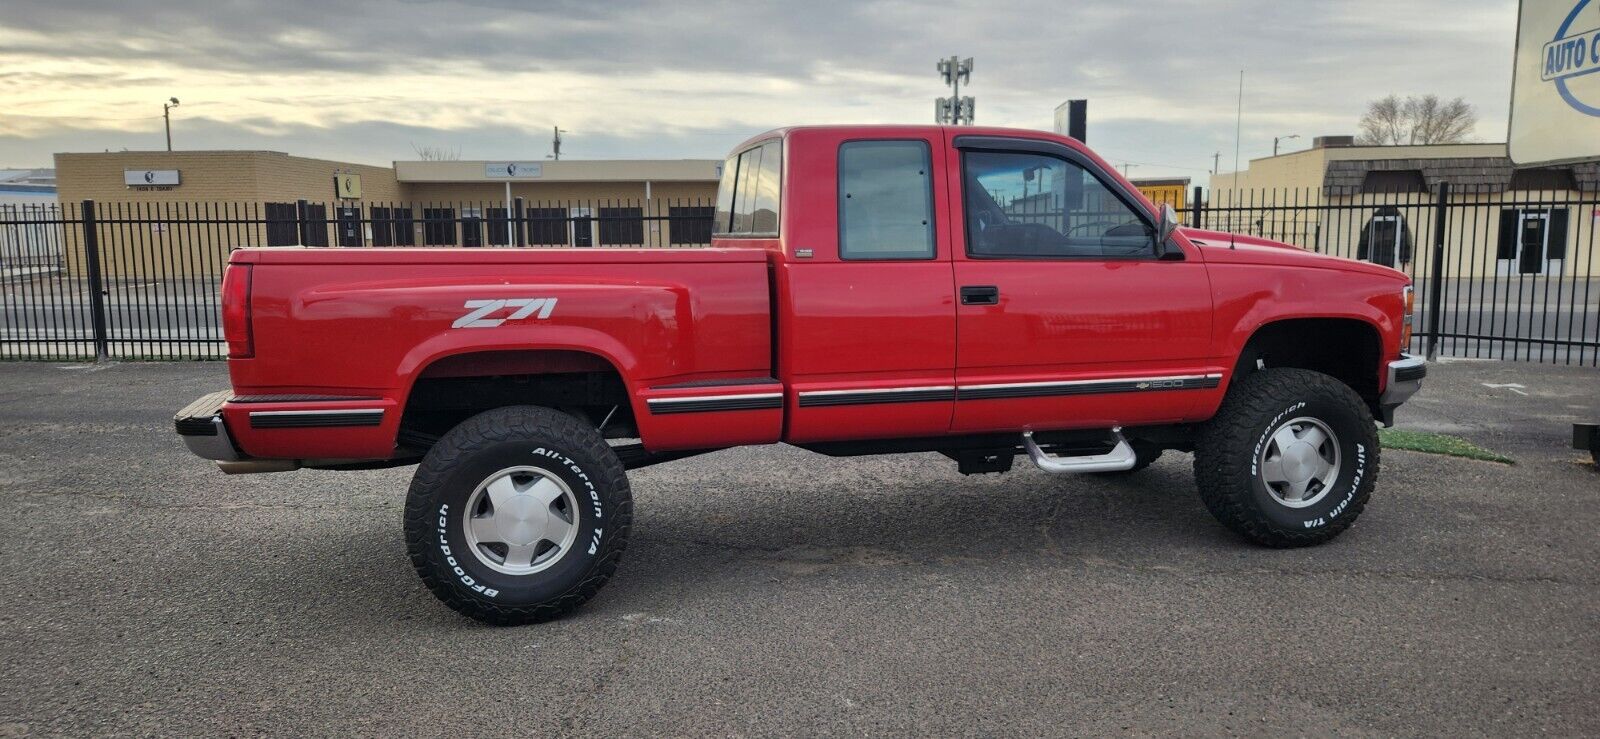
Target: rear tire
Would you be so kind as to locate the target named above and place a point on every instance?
(1289, 460)
(518, 515)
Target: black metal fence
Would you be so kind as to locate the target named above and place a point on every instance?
(140, 280)
(1498, 275)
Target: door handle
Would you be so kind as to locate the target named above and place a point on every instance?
(980, 295)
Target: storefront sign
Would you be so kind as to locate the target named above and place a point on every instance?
(1555, 83)
(513, 170)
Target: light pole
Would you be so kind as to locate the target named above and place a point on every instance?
(1276, 139)
(166, 115)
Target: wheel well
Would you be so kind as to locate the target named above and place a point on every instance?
(1344, 348)
(455, 388)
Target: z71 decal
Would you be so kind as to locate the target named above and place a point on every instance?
(478, 317)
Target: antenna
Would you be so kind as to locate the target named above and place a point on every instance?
(1238, 122)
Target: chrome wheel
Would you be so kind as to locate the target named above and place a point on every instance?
(1299, 462)
(521, 520)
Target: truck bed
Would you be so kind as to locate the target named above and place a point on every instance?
(367, 324)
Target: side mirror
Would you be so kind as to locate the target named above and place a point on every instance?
(1165, 226)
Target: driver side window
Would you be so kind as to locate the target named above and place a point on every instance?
(1035, 206)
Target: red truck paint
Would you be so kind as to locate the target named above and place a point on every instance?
(364, 325)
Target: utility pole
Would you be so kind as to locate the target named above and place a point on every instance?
(955, 109)
(166, 115)
(1216, 161)
(555, 143)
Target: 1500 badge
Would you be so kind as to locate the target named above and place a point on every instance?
(520, 308)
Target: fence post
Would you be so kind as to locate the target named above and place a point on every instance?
(1436, 273)
(97, 300)
(301, 218)
(1197, 207)
(522, 230)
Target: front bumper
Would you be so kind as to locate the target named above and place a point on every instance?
(1404, 380)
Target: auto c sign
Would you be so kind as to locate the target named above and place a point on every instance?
(1555, 84)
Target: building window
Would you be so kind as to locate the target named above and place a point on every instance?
(405, 229)
(391, 226)
(689, 224)
(316, 225)
(439, 226)
(499, 233)
(1386, 239)
(546, 226)
(1394, 180)
(622, 226)
(283, 225)
(382, 226)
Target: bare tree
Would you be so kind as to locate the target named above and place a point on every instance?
(1416, 120)
(436, 153)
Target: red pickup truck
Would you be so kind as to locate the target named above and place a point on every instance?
(977, 292)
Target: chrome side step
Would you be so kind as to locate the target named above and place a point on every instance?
(1120, 458)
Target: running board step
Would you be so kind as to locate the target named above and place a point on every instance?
(1119, 459)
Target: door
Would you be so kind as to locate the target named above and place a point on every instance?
(867, 317)
(350, 226)
(1068, 316)
(1533, 241)
(471, 227)
(582, 227)
(1534, 231)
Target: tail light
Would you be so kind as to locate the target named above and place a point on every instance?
(1410, 297)
(236, 312)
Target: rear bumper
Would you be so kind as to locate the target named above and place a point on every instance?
(200, 426)
(1404, 380)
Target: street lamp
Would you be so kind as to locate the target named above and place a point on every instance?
(166, 114)
(1276, 139)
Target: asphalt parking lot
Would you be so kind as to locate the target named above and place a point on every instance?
(772, 591)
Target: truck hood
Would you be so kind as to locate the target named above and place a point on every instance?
(1225, 248)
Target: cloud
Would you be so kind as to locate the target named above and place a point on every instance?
(664, 78)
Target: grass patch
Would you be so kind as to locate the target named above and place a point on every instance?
(1431, 443)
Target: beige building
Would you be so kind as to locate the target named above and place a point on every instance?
(190, 207)
(1379, 203)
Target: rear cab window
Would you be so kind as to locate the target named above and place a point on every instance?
(885, 200)
(750, 192)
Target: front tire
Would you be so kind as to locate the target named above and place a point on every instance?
(1289, 460)
(518, 515)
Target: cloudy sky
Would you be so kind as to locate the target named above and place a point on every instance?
(368, 81)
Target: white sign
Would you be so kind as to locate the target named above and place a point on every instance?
(149, 177)
(513, 170)
(1555, 83)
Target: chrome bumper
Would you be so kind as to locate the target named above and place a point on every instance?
(1404, 380)
(215, 446)
(200, 426)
